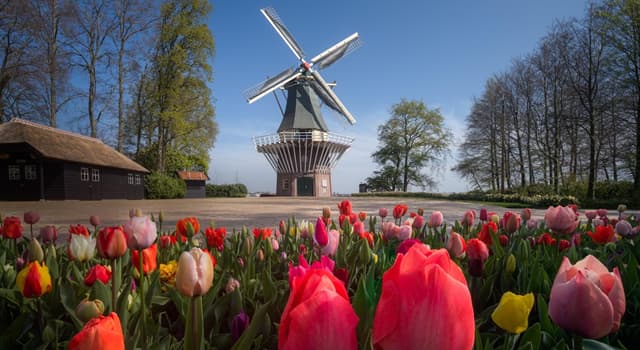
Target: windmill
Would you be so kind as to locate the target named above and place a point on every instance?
(303, 151)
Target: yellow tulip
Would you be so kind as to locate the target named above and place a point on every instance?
(512, 313)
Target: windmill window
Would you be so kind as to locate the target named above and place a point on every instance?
(84, 174)
(285, 184)
(30, 172)
(130, 179)
(138, 179)
(95, 175)
(14, 172)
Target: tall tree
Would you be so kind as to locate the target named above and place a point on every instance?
(184, 126)
(413, 138)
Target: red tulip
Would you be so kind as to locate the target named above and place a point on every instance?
(149, 259)
(104, 332)
(31, 217)
(400, 210)
(215, 237)
(511, 222)
(603, 234)
(504, 240)
(182, 230)
(456, 244)
(362, 216)
(48, 234)
(383, 212)
(440, 316)
(406, 245)
(78, 230)
(112, 242)
(34, 280)
(318, 314)
(345, 207)
(586, 298)
(320, 235)
(486, 231)
(484, 216)
(546, 239)
(468, 218)
(478, 253)
(97, 273)
(418, 222)
(561, 219)
(12, 227)
(262, 233)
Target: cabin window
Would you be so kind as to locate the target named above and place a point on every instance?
(14, 172)
(95, 175)
(138, 179)
(84, 174)
(30, 172)
(285, 184)
(130, 178)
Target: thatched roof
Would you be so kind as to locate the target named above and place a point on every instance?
(192, 175)
(64, 145)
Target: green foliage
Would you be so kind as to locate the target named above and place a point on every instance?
(413, 138)
(161, 186)
(231, 190)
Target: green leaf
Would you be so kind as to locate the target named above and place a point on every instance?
(532, 336)
(590, 344)
(101, 292)
(543, 314)
(69, 302)
(255, 327)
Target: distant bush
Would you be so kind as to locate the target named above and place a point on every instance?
(232, 190)
(161, 186)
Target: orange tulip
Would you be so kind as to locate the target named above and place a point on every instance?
(195, 272)
(12, 227)
(112, 242)
(149, 259)
(425, 304)
(182, 225)
(34, 280)
(104, 332)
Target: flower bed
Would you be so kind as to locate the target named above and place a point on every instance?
(345, 280)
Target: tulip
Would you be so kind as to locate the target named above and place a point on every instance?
(94, 220)
(468, 218)
(406, 245)
(358, 227)
(405, 232)
(141, 232)
(215, 237)
(149, 259)
(345, 207)
(332, 245)
(602, 212)
(586, 298)
(195, 273)
(239, 324)
(504, 240)
(590, 214)
(321, 236)
(486, 231)
(436, 219)
(418, 222)
(483, 215)
(383, 212)
(511, 222)
(512, 313)
(623, 228)
(78, 230)
(456, 244)
(400, 210)
(88, 309)
(187, 227)
(82, 248)
(389, 230)
(167, 241)
(48, 234)
(494, 218)
(532, 224)
(262, 233)
(231, 285)
(97, 273)
(546, 239)
(104, 332)
(478, 253)
(511, 263)
(35, 250)
(31, 217)
(34, 280)
(168, 272)
(525, 214)
(343, 275)
(326, 215)
(362, 216)
(440, 316)
(318, 313)
(112, 242)
(561, 219)
(603, 234)
(11, 227)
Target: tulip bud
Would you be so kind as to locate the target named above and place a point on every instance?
(326, 212)
(511, 263)
(260, 255)
(483, 214)
(239, 323)
(195, 272)
(161, 217)
(275, 245)
(51, 251)
(364, 252)
(383, 212)
(321, 236)
(231, 285)
(526, 214)
(31, 217)
(282, 226)
(362, 216)
(48, 234)
(9, 274)
(94, 220)
(247, 245)
(420, 212)
(35, 251)
(88, 309)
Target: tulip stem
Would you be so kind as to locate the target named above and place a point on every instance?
(194, 327)
(142, 303)
(115, 284)
(577, 342)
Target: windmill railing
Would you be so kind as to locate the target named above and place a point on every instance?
(302, 136)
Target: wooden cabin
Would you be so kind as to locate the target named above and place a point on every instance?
(196, 183)
(38, 162)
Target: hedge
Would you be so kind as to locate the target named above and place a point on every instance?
(230, 190)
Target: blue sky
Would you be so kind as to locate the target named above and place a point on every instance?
(440, 52)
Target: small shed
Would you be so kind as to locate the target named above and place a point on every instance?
(196, 183)
(38, 162)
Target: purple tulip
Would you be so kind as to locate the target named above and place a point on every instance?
(238, 325)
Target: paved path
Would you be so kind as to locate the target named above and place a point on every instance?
(229, 212)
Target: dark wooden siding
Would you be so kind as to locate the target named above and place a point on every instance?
(53, 180)
(115, 184)
(112, 184)
(19, 156)
(195, 189)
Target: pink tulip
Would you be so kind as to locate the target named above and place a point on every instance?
(511, 222)
(602, 212)
(418, 222)
(383, 212)
(525, 214)
(590, 214)
(532, 224)
(436, 219)
(358, 227)
(332, 246)
(561, 219)
(48, 234)
(31, 217)
(456, 244)
(405, 232)
(195, 272)
(318, 313)
(586, 298)
(389, 230)
(468, 218)
(440, 316)
(141, 232)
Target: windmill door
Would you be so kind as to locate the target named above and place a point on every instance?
(305, 186)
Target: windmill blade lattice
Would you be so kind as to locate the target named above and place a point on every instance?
(278, 25)
(337, 51)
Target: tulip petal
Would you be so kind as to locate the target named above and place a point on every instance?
(186, 275)
(512, 313)
(567, 307)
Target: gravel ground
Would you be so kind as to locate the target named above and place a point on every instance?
(232, 213)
